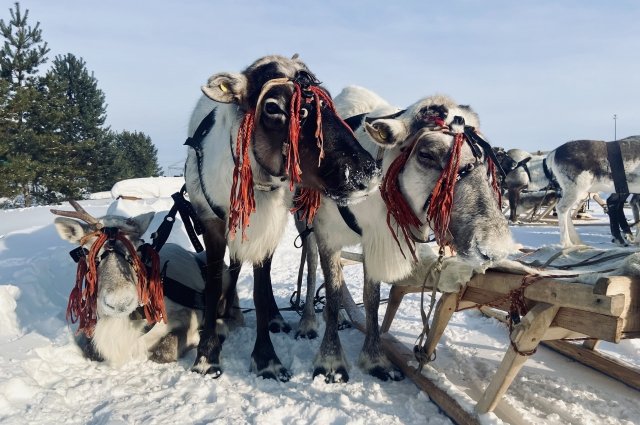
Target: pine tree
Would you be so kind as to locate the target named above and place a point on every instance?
(77, 115)
(22, 53)
(136, 156)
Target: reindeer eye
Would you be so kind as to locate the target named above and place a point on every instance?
(272, 108)
(426, 155)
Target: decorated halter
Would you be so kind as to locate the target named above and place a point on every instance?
(82, 306)
(440, 202)
(307, 95)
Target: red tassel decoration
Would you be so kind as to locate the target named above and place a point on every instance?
(439, 211)
(397, 205)
(242, 201)
(83, 300)
(308, 203)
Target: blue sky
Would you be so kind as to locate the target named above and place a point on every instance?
(539, 73)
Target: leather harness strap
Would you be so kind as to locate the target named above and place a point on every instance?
(195, 142)
(350, 219)
(616, 164)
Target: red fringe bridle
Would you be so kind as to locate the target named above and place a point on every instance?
(242, 200)
(83, 298)
(441, 202)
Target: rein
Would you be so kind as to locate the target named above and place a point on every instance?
(82, 305)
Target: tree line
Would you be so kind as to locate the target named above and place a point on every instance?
(54, 144)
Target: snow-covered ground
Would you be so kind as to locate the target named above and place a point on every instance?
(45, 380)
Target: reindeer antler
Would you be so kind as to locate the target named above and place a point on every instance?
(79, 213)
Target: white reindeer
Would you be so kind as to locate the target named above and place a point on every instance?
(120, 332)
(477, 230)
(253, 136)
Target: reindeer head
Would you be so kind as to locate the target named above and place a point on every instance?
(117, 292)
(281, 94)
(438, 169)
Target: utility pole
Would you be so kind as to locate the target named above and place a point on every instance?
(615, 129)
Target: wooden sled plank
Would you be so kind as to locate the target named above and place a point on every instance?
(401, 356)
(586, 354)
(603, 363)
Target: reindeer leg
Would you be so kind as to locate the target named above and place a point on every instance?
(229, 313)
(615, 204)
(308, 327)
(614, 224)
(372, 358)
(208, 353)
(168, 349)
(624, 224)
(86, 345)
(568, 234)
(264, 361)
(330, 360)
(276, 321)
(514, 196)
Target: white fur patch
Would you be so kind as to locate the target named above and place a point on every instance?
(119, 340)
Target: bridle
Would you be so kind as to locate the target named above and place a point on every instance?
(438, 205)
(307, 97)
(82, 305)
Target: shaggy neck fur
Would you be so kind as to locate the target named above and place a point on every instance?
(119, 340)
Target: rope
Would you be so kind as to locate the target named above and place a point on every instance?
(517, 306)
(418, 349)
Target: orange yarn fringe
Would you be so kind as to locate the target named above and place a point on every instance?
(82, 305)
(242, 200)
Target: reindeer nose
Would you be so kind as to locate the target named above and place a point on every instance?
(118, 304)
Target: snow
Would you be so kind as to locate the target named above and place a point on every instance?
(45, 379)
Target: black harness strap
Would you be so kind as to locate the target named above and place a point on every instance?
(523, 164)
(350, 219)
(474, 138)
(616, 164)
(189, 217)
(553, 183)
(182, 294)
(355, 121)
(195, 142)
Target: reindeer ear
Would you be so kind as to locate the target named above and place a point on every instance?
(142, 221)
(386, 132)
(226, 88)
(71, 230)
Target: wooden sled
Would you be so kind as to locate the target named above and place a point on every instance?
(557, 310)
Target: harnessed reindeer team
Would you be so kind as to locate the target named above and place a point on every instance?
(269, 141)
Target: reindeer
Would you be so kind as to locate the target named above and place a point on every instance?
(418, 144)
(116, 323)
(582, 166)
(256, 135)
(525, 171)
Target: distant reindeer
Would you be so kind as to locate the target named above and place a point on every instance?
(582, 166)
(525, 172)
(115, 304)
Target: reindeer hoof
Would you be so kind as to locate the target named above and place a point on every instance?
(339, 376)
(203, 367)
(309, 334)
(282, 375)
(384, 374)
(344, 325)
(277, 325)
(272, 370)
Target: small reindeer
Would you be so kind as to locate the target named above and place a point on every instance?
(118, 300)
